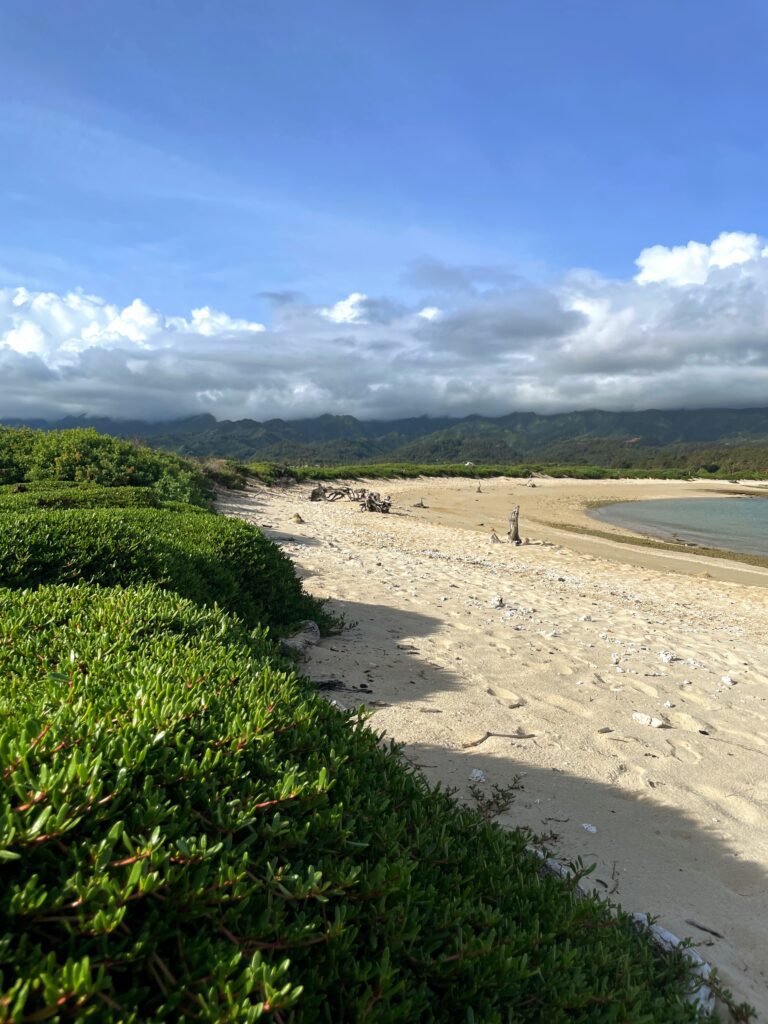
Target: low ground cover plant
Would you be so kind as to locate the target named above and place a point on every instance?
(48, 494)
(208, 558)
(187, 831)
(271, 473)
(85, 456)
(68, 494)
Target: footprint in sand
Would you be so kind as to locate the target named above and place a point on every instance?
(572, 707)
(734, 805)
(646, 688)
(684, 751)
(684, 721)
(504, 696)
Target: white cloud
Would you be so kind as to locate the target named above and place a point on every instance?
(690, 329)
(429, 313)
(59, 327)
(208, 322)
(692, 263)
(348, 311)
(27, 338)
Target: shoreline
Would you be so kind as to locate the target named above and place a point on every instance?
(576, 529)
(669, 539)
(498, 663)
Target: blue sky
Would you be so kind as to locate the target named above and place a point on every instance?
(198, 155)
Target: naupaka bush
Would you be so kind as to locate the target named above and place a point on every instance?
(187, 832)
(208, 558)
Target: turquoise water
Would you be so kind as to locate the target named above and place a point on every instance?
(736, 524)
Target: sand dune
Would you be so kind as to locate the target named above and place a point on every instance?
(532, 661)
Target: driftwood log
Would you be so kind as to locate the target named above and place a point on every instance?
(375, 503)
(368, 500)
(322, 493)
(514, 526)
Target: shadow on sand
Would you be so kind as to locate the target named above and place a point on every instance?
(649, 856)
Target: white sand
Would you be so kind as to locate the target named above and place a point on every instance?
(582, 642)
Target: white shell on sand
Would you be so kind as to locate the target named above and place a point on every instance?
(655, 723)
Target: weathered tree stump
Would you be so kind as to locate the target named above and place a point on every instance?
(514, 526)
(375, 503)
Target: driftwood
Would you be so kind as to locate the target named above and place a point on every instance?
(514, 526)
(322, 493)
(368, 500)
(375, 503)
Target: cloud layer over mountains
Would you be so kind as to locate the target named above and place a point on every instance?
(689, 329)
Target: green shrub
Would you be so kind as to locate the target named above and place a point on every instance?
(271, 473)
(65, 494)
(50, 494)
(207, 558)
(187, 832)
(224, 472)
(85, 456)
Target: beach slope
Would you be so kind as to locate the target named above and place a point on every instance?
(623, 692)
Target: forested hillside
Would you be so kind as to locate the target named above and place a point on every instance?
(735, 440)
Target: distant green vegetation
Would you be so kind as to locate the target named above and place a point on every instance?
(683, 440)
(272, 473)
(207, 558)
(188, 832)
(83, 456)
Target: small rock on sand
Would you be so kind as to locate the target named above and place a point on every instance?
(307, 636)
(655, 723)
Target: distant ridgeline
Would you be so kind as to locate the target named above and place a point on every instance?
(724, 440)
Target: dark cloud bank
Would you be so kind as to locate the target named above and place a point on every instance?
(689, 329)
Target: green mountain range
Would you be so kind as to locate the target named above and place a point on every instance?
(594, 437)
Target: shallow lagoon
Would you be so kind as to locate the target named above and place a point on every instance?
(735, 524)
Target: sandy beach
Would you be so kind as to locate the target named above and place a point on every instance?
(544, 663)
